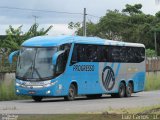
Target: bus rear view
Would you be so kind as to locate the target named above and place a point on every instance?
(68, 66)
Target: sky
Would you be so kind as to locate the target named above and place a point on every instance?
(60, 20)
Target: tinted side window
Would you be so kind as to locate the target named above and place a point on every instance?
(104, 53)
(139, 54)
(89, 53)
(126, 54)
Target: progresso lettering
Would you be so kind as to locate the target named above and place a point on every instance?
(83, 68)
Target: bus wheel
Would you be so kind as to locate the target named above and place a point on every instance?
(94, 96)
(71, 93)
(129, 90)
(37, 98)
(114, 95)
(121, 90)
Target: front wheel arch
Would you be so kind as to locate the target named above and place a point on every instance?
(76, 86)
(72, 92)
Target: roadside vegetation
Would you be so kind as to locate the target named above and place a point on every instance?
(13, 39)
(7, 91)
(150, 113)
(152, 81)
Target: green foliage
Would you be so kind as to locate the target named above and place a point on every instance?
(152, 81)
(15, 36)
(112, 25)
(129, 25)
(133, 9)
(13, 40)
(150, 53)
(72, 25)
(7, 91)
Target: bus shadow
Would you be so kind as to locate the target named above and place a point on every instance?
(81, 98)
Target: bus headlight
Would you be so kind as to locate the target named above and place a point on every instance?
(50, 84)
(17, 91)
(48, 92)
(17, 84)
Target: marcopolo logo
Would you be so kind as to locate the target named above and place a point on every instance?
(108, 78)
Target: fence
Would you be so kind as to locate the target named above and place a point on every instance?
(153, 64)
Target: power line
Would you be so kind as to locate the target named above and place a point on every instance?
(49, 11)
(38, 10)
(93, 16)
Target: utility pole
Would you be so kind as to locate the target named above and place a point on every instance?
(84, 22)
(35, 26)
(35, 19)
(155, 42)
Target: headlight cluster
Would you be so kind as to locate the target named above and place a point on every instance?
(17, 84)
(50, 84)
(35, 84)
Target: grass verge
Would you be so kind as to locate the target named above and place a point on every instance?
(7, 91)
(152, 81)
(149, 113)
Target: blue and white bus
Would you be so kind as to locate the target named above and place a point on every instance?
(69, 66)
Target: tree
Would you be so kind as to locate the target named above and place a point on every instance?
(150, 53)
(133, 9)
(15, 36)
(111, 26)
(129, 25)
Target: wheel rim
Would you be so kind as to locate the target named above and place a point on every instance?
(71, 93)
(121, 90)
(129, 90)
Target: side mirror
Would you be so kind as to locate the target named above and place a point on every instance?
(55, 56)
(10, 58)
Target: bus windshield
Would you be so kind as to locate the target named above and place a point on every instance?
(35, 63)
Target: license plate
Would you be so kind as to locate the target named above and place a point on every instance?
(32, 92)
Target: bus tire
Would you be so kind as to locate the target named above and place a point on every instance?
(114, 95)
(95, 96)
(121, 90)
(71, 93)
(129, 90)
(37, 98)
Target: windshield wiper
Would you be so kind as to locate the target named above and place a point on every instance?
(37, 73)
(25, 74)
(32, 71)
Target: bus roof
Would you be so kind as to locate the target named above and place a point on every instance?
(48, 41)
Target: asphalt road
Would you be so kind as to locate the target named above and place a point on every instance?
(80, 105)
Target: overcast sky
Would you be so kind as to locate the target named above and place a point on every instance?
(60, 20)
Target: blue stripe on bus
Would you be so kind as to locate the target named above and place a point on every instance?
(118, 68)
